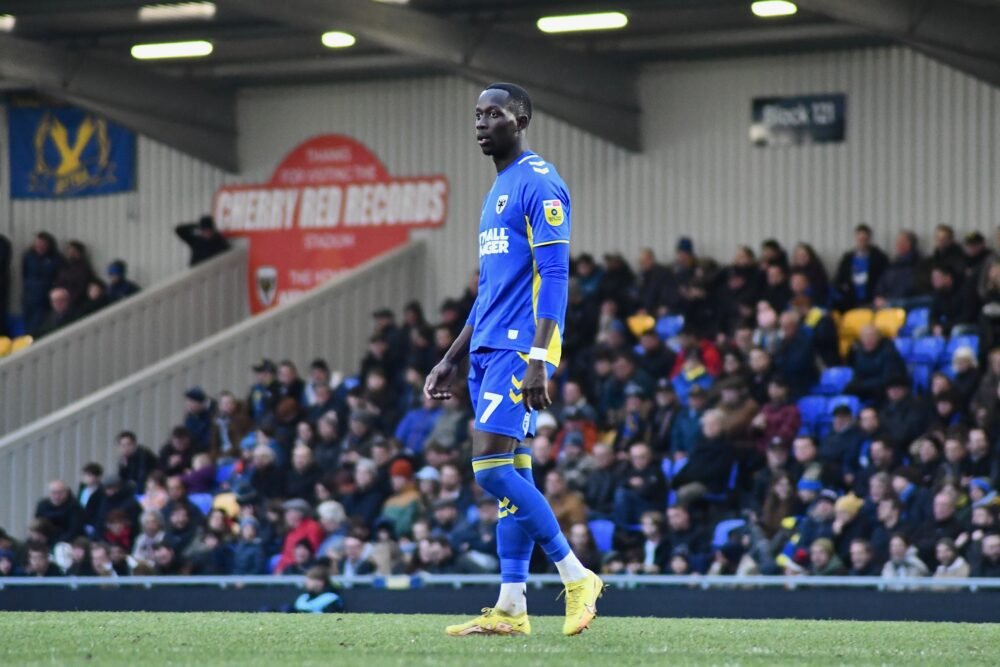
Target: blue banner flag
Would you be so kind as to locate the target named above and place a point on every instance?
(59, 152)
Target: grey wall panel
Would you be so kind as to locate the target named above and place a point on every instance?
(332, 322)
(922, 143)
(123, 339)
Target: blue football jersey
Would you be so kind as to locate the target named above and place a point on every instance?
(527, 207)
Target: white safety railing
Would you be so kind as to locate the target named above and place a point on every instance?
(122, 339)
(332, 321)
(460, 580)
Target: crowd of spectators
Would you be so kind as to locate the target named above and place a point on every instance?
(59, 288)
(665, 451)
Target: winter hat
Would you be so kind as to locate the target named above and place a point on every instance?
(807, 484)
(849, 503)
(401, 468)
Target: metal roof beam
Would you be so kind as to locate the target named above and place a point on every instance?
(961, 28)
(181, 114)
(583, 90)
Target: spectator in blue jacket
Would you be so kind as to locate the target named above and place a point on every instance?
(119, 287)
(248, 553)
(686, 428)
(794, 357)
(39, 267)
(416, 426)
(874, 359)
(319, 598)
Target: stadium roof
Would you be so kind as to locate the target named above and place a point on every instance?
(79, 50)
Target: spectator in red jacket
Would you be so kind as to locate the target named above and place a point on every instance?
(710, 357)
(779, 418)
(301, 526)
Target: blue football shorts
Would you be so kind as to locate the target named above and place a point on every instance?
(495, 379)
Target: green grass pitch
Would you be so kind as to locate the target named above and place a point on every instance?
(276, 640)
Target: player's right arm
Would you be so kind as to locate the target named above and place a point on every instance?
(439, 380)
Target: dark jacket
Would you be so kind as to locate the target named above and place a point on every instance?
(947, 309)
(167, 452)
(67, 519)
(796, 360)
(121, 289)
(844, 282)
(202, 248)
(600, 490)
(75, 276)
(38, 275)
(138, 467)
(900, 280)
(873, 369)
(839, 448)
(249, 557)
(905, 420)
(710, 463)
(303, 484)
(653, 488)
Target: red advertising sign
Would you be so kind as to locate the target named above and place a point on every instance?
(330, 206)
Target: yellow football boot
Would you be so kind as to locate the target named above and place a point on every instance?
(581, 603)
(493, 622)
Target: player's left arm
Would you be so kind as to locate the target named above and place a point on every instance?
(547, 210)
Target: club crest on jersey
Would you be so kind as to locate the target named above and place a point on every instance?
(553, 212)
(501, 203)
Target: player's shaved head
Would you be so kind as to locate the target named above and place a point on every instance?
(519, 102)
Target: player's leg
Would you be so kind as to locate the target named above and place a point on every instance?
(514, 546)
(509, 616)
(500, 422)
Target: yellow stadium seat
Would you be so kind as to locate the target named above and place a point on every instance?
(5, 345)
(850, 326)
(640, 324)
(21, 343)
(889, 321)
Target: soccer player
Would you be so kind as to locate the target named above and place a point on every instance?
(514, 339)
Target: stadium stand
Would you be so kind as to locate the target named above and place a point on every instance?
(119, 339)
(347, 465)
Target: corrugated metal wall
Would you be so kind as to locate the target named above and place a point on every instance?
(922, 142)
(922, 145)
(137, 226)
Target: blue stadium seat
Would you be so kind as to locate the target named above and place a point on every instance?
(351, 382)
(956, 342)
(603, 532)
(812, 410)
(905, 347)
(669, 326)
(921, 375)
(272, 563)
(722, 529)
(927, 351)
(917, 318)
(472, 515)
(203, 501)
(833, 380)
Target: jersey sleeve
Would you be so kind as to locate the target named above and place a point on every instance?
(547, 209)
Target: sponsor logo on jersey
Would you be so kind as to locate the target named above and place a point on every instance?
(553, 212)
(501, 203)
(494, 241)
